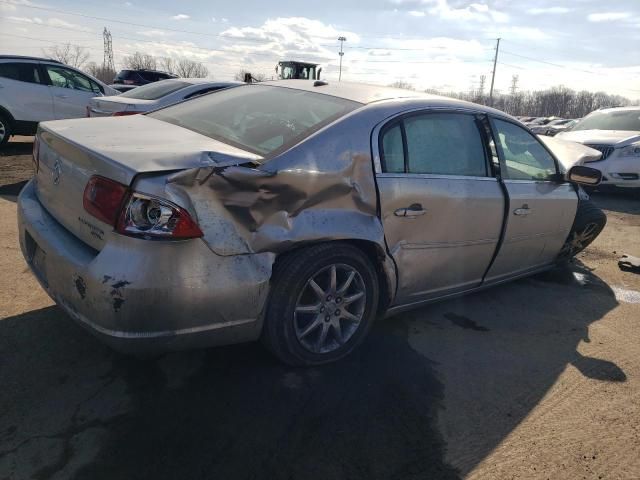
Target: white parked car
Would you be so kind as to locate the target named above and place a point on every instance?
(616, 133)
(35, 89)
(154, 95)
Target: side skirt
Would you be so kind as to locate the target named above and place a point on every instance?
(410, 306)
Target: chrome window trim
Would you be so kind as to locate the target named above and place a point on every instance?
(509, 180)
(433, 176)
(375, 134)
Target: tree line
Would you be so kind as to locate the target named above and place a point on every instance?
(78, 57)
(558, 101)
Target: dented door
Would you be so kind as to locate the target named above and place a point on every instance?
(442, 211)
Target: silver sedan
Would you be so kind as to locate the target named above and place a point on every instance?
(153, 96)
(291, 211)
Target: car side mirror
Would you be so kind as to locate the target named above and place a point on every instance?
(584, 175)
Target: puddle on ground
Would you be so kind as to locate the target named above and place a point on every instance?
(464, 322)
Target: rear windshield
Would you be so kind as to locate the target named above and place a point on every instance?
(610, 120)
(258, 118)
(153, 91)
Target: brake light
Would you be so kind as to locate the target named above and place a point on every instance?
(123, 113)
(103, 198)
(36, 154)
(151, 217)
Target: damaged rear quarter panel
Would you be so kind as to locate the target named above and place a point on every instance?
(322, 189)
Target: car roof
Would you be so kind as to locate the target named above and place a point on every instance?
(145, 70)
(617, 109)
(367, 94)
(208, 81)
(25, 57)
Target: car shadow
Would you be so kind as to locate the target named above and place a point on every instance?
(10, 192)
(17, 146)
(409, 403)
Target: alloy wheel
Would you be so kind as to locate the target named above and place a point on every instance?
(330, 308)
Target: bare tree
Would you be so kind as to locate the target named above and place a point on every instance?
(186, 68)
(140, 61)
(101, 72)
(73, 55)
(556, 101)
(402, 84)
(167, 64)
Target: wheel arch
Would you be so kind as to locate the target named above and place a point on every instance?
(384, 267)
(7, 114)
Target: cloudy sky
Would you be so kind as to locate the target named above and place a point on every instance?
(442, 44)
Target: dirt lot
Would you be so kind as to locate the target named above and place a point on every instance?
(539, 378)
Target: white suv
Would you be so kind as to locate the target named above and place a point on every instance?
(616, 133)
(33, 90)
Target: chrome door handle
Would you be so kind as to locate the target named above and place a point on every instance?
(524, 210)
(414, 210)
(62, 96)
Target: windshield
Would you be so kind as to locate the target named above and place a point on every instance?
(610, 120)
(153, 91)
(258, 118)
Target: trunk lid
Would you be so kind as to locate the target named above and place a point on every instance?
(104, 106)
(72, 151)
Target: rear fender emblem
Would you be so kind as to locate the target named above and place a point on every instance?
(56, 171)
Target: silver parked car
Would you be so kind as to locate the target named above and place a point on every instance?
(153, 95)
(291, 211)
(616, 133)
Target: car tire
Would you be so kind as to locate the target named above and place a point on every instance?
(587, 225)
(5, 130)
(311, 323)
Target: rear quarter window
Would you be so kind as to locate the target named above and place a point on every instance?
(20, 71)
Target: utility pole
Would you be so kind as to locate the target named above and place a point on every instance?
(493, 74)
(341, 53)
(107, 62)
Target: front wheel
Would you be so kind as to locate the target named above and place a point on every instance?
(5, 130)
(323, 302)
(588, 224)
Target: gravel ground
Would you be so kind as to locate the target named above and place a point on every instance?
(539, 378)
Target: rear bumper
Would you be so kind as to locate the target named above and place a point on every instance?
(141, 296)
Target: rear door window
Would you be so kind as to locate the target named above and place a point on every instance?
(21, 71)
(437, 144)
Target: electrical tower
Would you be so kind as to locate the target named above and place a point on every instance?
(514, 85)
(107, 62)
(483, 79)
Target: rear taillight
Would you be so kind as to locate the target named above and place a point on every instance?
(150, 217)
(103, 198)
(123, 113)
(36, 154)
